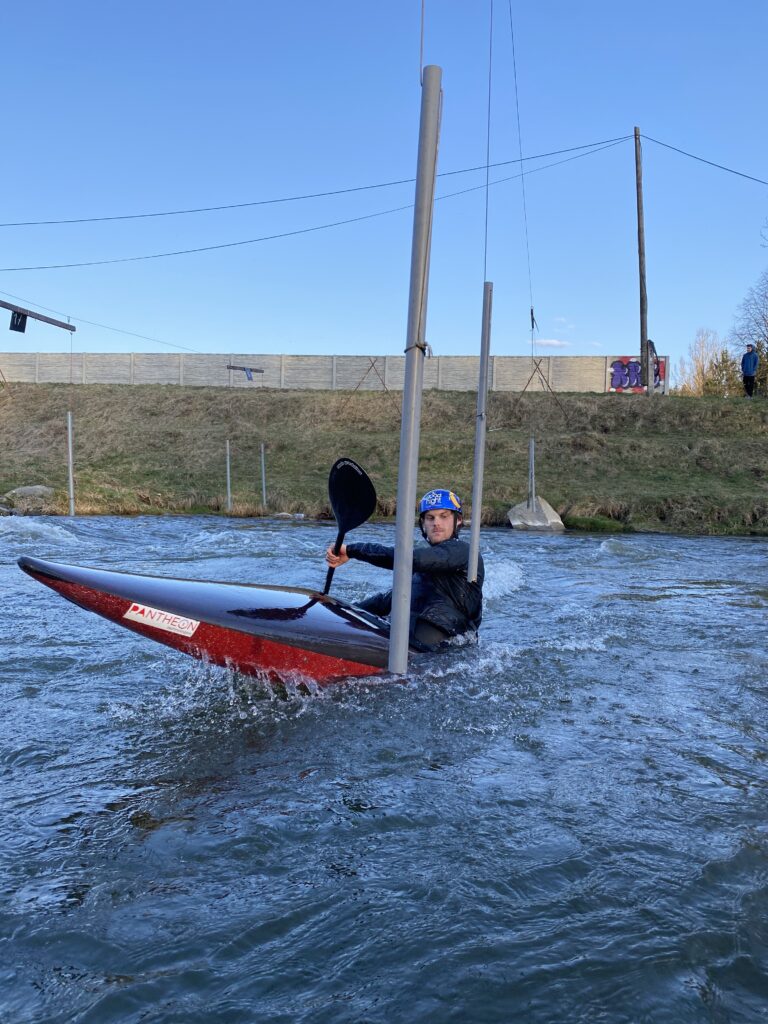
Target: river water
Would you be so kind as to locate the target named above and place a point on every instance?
(566, 823)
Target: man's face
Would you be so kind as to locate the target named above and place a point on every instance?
(438, 525)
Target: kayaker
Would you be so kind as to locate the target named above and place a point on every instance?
(444, 603)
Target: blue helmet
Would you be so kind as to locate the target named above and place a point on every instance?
(440, 498)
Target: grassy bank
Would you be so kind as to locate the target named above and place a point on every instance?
(696, 465)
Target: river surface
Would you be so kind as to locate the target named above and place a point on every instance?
(567, 823)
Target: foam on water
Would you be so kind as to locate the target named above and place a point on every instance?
(615, 546)
(270, 541)
(179, 691)
(42, 532)
(502, 578)
(483, 665)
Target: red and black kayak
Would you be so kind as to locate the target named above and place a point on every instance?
(278, 632)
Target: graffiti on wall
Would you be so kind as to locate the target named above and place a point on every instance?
(626, 374)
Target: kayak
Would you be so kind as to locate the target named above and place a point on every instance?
(277, 632)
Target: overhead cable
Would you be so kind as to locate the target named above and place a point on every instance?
(106, 327)
(702, 160)
(295, 199)
(301, 231)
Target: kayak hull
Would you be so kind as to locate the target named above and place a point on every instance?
(276, 632)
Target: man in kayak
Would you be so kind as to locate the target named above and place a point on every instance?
(443, 601)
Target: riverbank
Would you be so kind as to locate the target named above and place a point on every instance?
(617, 462)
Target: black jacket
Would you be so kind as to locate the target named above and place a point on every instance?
(441, 594)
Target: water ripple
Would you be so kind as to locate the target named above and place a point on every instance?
(564, 822)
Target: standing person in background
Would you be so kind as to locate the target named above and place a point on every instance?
(443, 601)
(749, 363)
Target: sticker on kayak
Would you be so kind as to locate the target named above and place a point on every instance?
(161, 620)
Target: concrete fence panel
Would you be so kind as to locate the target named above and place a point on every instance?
(207, 371)
(308, 372)
(107, 369)
(326, 373)
(19, 367)
(513, 373)
(584, 373)
(54, 367)
(156, 369)
(459, 373)
(362, 373)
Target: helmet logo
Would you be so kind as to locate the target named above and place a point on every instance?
(440, 498)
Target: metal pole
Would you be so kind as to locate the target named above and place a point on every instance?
(263, 478)
(644, 361)
(480, 426)
(229, 483)
(70, 464)
(429, 131)
(531, 503)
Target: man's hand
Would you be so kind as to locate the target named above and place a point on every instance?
(335, 560)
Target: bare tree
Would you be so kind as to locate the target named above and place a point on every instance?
(751, 328)
(709, 369)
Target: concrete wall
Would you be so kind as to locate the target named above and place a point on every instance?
(326, 373)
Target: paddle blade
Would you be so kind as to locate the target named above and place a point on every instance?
(353, 500)
(351, 493)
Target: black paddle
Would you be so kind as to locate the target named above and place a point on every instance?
(353, 500)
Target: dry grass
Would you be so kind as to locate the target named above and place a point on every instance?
(684, 464)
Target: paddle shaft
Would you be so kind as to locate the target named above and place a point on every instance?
(336, 550)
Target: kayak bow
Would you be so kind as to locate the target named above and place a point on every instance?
(258, 630)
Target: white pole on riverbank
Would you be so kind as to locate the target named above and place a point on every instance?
(531, 502)
(70, 464)
(263, 478)
(480, 429)
(426, 171)
(229, 482)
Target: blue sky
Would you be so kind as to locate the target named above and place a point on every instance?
(130, 108)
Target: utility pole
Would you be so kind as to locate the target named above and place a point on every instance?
(646, 373)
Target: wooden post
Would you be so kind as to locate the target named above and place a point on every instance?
(648, 384)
